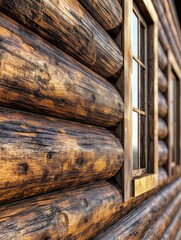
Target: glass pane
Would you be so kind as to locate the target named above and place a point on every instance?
(142, 42)
(143, 141)
(135, 141)
(135, 35)
(135, 84)
(142, 89)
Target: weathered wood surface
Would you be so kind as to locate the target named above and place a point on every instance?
(173, 228)
(178, 235)
(157, 229)
(108, 14)
(162, 105)
(40, 154)
(162, 81)
(162, 57)
(37, 77)
(162, 37)
(162, 153)
(166, 26)
(162, 129)
(162, 176)
(78, 213)
(69, 26)
(135, 224)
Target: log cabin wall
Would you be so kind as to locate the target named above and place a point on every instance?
(63, 111)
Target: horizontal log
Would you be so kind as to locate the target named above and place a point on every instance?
(162, 37)
(162, 81)
(162, 57)
(108, 13)
(156, 231)
(78, 213)
(162, 153)
(178, 234)
(174, 226)
(67, 24)
(166, 26)
(162, 129)
(135, 224)
(40, 154)
(37, 77)
(162, 176)
(162, 105)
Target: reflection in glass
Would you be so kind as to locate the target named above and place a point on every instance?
(135, 35)
(142, 90)
(142, 42)
(135, 84)
(143, 141)
(135, 140)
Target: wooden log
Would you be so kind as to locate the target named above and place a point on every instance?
(135, 224)
(78, 213)
(162, 153)
(178, 235)
(162, 129)
(156, 231)
(37, 77)
(162, 105)
(108, 14)
(162, 176)
(174, 226)
(162, 37)
(162, 81)
(166, 26)
(68, 25)
(162, 58)
(40, 154)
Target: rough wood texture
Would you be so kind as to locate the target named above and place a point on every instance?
(158, 228)
(39, 154)
(162, 81)
(162, 153)
(78, 213)
(162, 129)
(68, 25)
(178, 235)
(37, 77)
(173, 228)
(108, 13)
(162, 57)
(135, 224)
(162, 105)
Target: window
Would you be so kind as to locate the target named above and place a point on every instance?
(139, 87)
(174, 117)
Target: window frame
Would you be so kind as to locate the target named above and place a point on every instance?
(173, 69)
(134, 186)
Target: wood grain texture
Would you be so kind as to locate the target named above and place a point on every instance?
(162, 129)
(69, 26)
(136, 223)
(108, 14)
(157, 229)
(40, 154)
(162, 105)
(78, 213)
(162, 57)
(162, 37)
(37, 77)
(162, 153)
(162, 81)
(162, 176)
(173, 228)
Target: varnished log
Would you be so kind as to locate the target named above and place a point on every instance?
(162, 58)
(40, 78)
(174, 226)
(162, 129)
(108, 13)
(78, 214)
(162, 105)
(40, 154)
(136, 223)
(68, 25)
(162, 153)
(162, 81)
(156, 231)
